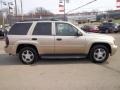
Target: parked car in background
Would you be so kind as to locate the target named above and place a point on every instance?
(7, 27)
(119, 28)
(1, 33)
(108, 27)
(90, 28)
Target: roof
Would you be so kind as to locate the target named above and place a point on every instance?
(40, 21)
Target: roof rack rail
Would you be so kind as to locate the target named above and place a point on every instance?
(52, 19)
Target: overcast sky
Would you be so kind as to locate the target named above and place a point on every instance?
(52, 5)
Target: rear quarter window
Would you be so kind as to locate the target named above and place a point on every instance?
(20, 29)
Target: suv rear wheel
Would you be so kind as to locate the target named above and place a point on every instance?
(99, 53)
(28, 55)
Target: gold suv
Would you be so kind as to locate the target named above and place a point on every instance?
(37, 38)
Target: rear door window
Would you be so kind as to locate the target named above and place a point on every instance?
(43, 29)
(20, 29)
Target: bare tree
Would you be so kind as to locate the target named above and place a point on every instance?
(40, 12)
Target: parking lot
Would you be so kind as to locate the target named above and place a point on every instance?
(60, 74)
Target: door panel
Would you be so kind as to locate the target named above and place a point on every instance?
(43, 33)
(66, 41)
(69, 45)
(46, 44)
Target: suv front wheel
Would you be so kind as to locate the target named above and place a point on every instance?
(99, 53)
(28, 55)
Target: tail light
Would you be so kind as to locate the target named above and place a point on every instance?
(6, 41)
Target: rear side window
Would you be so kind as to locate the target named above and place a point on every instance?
(20, 29)
(42, 29)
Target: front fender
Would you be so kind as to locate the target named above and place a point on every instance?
(94, 41)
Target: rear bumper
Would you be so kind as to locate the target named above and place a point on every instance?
(113, 49)
(10, 50)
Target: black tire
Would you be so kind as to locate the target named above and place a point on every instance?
(94, 49)
(115, 31)
(32, 59)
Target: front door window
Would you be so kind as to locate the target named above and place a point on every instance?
(63, 29)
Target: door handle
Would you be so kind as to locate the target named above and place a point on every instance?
(58, 39)
(34, 38)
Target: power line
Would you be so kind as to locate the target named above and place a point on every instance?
(81, 6)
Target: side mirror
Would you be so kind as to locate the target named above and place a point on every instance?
(78, 33)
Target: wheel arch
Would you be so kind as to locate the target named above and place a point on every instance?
(21, 46)
(101, 43)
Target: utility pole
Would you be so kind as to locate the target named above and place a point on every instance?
(2, 13)
(64, 2)
(9, 13)
(64, 10)
(1, 3)
(15, 8)
(9, 8)
(21, 9)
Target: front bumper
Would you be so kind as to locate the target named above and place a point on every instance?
(113, 49)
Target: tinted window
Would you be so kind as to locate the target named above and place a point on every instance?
(20, 29)
(108, 24)
(42, 29)
(63, 29)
